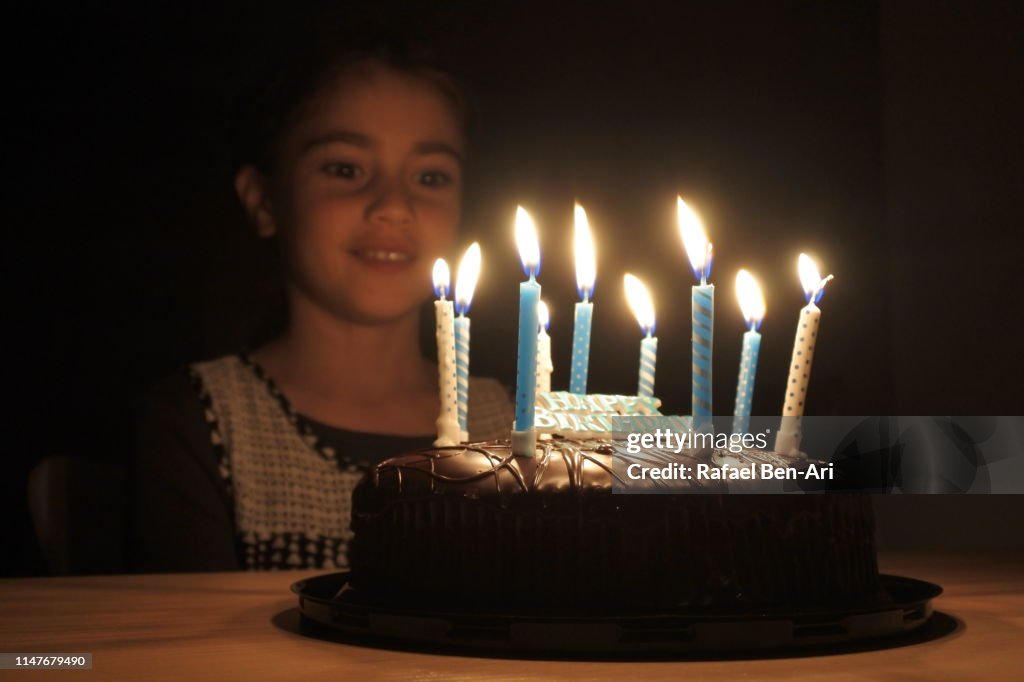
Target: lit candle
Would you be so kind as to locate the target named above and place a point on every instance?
(465, 285)
(447, 419)
(787, 441)
(586, 274)
(752, 304)
(643, 308)
(544, 364)
(698, 249)
(524, 437)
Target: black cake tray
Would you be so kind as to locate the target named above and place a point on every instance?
(328, 601)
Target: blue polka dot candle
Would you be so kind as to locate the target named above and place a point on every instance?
(586, 274)
(447, 419)
(465, 285)
(788, 438)
(748, 291)
(639, 300)
(698, 249)
(524, 437)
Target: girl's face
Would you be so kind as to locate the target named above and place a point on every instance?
(368, 193)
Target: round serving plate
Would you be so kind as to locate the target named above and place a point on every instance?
(329, 601)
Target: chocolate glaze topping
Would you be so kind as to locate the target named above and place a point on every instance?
(560, 465)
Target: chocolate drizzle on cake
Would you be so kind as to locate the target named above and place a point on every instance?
(490, 464)
(560, 465)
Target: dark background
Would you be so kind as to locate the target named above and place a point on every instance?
(884, 138)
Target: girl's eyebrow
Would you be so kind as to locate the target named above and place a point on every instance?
(346, 136)
(364, 141)
(431, 147)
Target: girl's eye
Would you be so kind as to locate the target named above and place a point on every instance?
(341, 169)
(434, 178)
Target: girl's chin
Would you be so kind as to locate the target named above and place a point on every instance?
(382, 312)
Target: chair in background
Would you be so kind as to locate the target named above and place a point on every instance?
(78, 513)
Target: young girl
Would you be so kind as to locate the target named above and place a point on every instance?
(249, 461)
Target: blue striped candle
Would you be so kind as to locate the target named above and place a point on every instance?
(702, 342)
(648, 359)
(581, 347)
(702, 317)
(462, 371)
(523, 434)
(465, 285)
(639, 300)
(586, 275)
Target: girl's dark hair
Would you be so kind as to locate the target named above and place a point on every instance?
(322, 56)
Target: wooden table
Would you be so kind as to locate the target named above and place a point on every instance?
(236, 626)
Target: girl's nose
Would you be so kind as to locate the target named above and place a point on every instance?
(390, 205)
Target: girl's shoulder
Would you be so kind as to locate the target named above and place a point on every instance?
(239, 396)
(181, 394)
(232, 364)
(230, 378)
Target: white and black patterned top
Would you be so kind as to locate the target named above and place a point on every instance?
(269, 489)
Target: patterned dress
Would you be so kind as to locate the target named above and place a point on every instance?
(286, 481)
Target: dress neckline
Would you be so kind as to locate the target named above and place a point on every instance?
(310, 429)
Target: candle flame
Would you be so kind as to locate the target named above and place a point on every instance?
(640, 302)
(751, 298)
(526, 242)
(810, 278)
(586, 258)
(543, 317)
(465, 283)
(695, 240)
(442, 278)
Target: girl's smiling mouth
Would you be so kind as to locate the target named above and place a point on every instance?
(392, 256)
(387, 256)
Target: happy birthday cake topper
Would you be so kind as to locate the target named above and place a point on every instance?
(589, 416)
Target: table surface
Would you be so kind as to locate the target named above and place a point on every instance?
(236, 625)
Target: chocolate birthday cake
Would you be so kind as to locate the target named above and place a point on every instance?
(476, 526)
